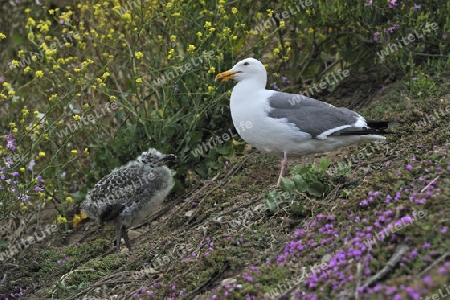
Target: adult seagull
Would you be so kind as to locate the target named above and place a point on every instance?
(290, 124)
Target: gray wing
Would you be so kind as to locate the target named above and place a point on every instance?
(117, 190)
(310, 115)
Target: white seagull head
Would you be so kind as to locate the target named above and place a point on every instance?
(246, 69)
(154, 158)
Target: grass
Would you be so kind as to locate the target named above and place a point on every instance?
(238, 247)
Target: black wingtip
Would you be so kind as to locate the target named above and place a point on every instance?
(373, 127)
(382, 124)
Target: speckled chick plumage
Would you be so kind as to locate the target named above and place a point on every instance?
(131, 193)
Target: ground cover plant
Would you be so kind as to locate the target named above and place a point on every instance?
(85, 86)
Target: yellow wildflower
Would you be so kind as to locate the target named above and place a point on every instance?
(52, 97)
(191, 48)
(5, 84)
(43, 27)
(76, 117)
(15, 63)
(139, 55)
(207, 24)
(173, 38)
(41, 154)
(60, 219)
(170, 55)
(69, 199)
(138, 80)
(212, 70)
(234, 10)
(2, 36)
(74, 151)
(25, 111)
(31, 21)
(11, 93)
(39, 74)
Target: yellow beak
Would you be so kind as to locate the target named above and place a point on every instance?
(227, 75)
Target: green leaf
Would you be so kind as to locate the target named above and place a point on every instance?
(297, 207)
(316, 188)
(17, 39)
(324, 164)
(271, 201)
(287, 185)
(299, 183)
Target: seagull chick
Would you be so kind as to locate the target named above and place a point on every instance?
(131, 193)
(282, 123)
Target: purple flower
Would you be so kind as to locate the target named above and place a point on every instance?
(274, 85)
(392, 3)
(31, 164)
(427, 280)
(368, 3)
(175, 88)
(10, 143)
(417, 6)
(376, 36)
(285, 80)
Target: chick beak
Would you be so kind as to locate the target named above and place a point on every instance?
(167, 158)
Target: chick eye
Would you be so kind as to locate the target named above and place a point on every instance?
(246, 63)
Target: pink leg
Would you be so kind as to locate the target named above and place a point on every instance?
(283, 169)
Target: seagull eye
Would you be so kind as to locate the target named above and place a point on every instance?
(246, 63)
